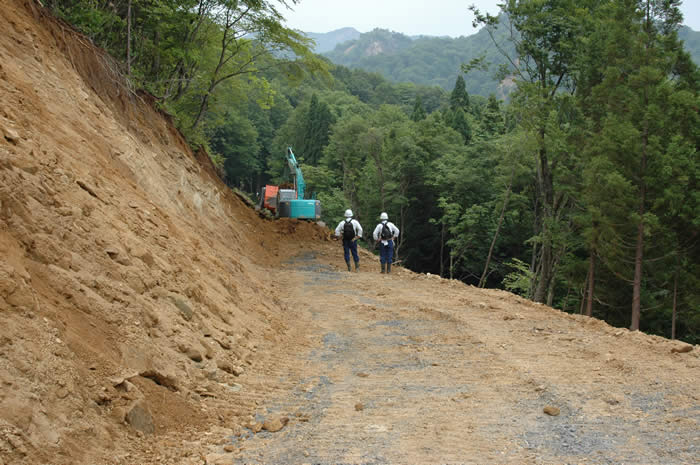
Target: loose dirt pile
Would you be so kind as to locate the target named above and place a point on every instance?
(131, 293)
(150, 316)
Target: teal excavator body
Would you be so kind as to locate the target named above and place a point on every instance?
(290, 203)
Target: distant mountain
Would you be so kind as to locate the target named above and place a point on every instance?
(423, 60)
(691, 41)
(327, 41)
(437, 60)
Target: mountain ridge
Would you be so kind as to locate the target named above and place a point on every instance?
(432, 60)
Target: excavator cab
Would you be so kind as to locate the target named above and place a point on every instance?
(287, 201)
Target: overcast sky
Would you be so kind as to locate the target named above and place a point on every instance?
(411, 17)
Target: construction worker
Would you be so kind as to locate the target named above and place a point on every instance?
(386, 232)
(350, 230)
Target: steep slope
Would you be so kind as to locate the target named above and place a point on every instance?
(127, 289)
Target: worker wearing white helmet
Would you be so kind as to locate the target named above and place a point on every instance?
(350, 230)
(386, 232)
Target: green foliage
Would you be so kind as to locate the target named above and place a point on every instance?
(418, 110)
(520, 279)
(459, 99)
(236, 142)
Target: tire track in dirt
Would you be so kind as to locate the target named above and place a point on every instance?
(400, 373)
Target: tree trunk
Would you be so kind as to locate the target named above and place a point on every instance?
(535, 249)
(482, 281)
(546, 191)
(128, 39)
(583, 296)
(591, 285)
(442, 251)
(155, 64)
(673, 313)
(639, 252)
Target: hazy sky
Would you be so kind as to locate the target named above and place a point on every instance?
(411, 17)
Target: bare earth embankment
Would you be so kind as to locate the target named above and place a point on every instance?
(149, 316)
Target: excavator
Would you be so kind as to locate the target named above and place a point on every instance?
(287, 201)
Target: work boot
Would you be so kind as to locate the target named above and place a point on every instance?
(388, 267)
(348, 264)
(357, 266)
(383, 268)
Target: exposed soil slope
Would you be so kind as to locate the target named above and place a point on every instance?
(130, 282)
(150, 316)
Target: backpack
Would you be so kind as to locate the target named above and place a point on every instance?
(386, 232)
(348, 231)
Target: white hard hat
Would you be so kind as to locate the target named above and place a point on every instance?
(348, 213)
(383, 216)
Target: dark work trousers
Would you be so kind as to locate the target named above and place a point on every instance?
(350, 246)
(386, 252)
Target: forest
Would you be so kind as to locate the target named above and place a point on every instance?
(577, 189)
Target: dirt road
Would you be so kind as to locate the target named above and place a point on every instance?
(410, 368)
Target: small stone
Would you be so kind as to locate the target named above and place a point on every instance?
(362, 375)
(230, 448)
(359, 406)
(194, 354)
(186, 310)
(223, 365)
(551, 410)
(275, 424)
(256, 427)
(139, 417)
(682, 349)
(11, 135)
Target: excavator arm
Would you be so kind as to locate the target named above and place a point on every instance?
(299, 184)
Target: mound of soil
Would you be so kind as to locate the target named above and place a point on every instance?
(133, 291)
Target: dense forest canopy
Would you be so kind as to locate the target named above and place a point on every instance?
(579, 191)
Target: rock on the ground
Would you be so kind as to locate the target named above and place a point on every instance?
(275, 424)
(11, 135)
(139, 417)
(551, 410)
(682, 349)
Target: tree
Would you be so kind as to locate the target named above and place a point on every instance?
(459, 97)
(236, 141)
(640, 139)
(492, 118)
(318, 123)
(249, 30)
(544, 34)
(418, 110)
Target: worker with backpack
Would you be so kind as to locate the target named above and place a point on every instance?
(386, 232)
(350, 230)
